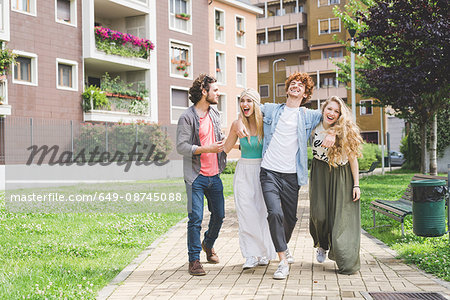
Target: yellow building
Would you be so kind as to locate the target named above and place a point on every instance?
(295, 35)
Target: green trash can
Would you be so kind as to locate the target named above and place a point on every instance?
(429, 207)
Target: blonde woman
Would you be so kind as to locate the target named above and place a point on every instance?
(335, 223)
(254, 236)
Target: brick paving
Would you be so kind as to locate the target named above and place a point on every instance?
(162, 271)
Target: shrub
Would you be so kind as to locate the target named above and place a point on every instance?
(99, 99)
(230, 168)
(122, 137)
(371, 153)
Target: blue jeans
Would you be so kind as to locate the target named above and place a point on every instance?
(212, 188)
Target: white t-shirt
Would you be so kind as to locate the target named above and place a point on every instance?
(281, 153)
(320, 152)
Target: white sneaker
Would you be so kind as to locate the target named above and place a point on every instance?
(321, 254)
(263, 261)
(250, 262)
(282, 271)
(289, 257)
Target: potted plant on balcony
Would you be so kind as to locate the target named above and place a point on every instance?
(7, 58)
(186, 74)
(219, 27)
(240, 32)
(218, 70)
(183, 16)
(1, 100)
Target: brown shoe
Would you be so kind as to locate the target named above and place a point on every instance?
(211, 255)
(196, 268)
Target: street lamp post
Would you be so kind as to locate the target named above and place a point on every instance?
(352, 33)
(273, 75)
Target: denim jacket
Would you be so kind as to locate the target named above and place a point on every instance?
(188, 140)
(307, 120)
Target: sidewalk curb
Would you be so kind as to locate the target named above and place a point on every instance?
(105, 292)
(395, 254)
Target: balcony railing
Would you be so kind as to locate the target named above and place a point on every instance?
(327, 92)
(122, 44)
(288, 46)
(312, 66)
(287, 19)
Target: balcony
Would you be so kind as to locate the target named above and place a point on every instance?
(5, 109)
(275, 48)
(287, 19)
(312, 66)
(116, 101)
(117, 20)
(327, 92)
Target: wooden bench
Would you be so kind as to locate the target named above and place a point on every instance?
(373, 166)
(399, 209)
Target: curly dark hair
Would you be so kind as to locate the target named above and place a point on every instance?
(307, 81)
(203, 81)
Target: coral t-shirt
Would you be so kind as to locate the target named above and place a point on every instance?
(208, 161)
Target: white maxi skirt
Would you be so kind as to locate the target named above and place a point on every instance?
(254, 235)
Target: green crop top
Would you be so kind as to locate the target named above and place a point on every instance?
(252, 150)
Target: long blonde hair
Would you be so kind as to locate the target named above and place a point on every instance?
(348, 137)
(254, 96)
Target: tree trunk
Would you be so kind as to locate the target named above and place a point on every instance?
(423, 148)
(433, 146)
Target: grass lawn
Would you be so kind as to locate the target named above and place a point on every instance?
(429, 254)
(71, 255)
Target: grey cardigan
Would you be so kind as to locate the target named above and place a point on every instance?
(188, 140)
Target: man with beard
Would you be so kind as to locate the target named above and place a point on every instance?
(200, 141)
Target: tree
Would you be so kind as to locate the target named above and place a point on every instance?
(404, 58)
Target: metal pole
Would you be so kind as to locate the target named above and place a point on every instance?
(448, 199)
(382, 141)
(273, 75)
(31, 131)
(352, 58)
(71, 138)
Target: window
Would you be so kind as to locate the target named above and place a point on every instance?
(2, 26)
(365, 107)
(25, 69)
(67, 78)
(240, 71)
(327, 2)
(370, 137)
(180, 15)
(219, 17)
(24, 6)
(281, 90)
(264, 91)
(66, 11)
(180, 60)
(261, 38)
(240, 32)
(180, 102)
(327, 26)
(221, 107)
(332, 53)
(263, 65)
(220, 68)
(136, 26)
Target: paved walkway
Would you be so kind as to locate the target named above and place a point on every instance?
(162, 272)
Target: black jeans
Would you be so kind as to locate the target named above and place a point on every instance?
(280, 191)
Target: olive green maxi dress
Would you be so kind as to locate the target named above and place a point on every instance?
(335, 222)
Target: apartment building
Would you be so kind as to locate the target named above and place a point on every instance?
(47, 80)
(297, 35)
(182, 47)
(232, 28)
